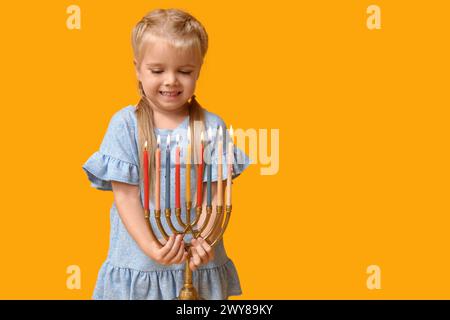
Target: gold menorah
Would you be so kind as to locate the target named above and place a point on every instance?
(188, 292)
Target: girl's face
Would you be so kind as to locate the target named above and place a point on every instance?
(168, 75)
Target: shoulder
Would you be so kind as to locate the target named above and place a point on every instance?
(120, 138)
(124, 117)
(213, 120)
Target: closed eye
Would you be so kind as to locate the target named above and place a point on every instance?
(183, 72)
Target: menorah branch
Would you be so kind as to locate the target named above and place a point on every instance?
(169, 221)
(160, 226)
(224, 226)
(147, 221)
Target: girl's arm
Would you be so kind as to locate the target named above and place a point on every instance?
(127, 199)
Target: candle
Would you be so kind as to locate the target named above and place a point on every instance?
(209, 171)
(230, 167)
(146, 185)
(158, 174)
(177, 173)
(188, 166)
(200, 174)
(219, 169)
(168, 173)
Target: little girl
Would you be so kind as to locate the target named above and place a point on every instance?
(169, 47)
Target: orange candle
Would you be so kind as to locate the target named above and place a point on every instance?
(230, 167)
(158, 175)
(146, 185)
(200, 174)
(219, 169)
(177, 173)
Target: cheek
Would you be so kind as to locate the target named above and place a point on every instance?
(188, 83)
(149, 84)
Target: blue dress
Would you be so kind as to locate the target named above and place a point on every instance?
(127, 272)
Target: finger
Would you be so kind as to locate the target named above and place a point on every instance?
(195, 257)
(185, 255)
(175, 247)
(192, 266)
(166, 248)
(178, 258)
(201, 251)
(208, 249)
(162, 241)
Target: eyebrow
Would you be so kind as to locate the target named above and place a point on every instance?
(160, 64)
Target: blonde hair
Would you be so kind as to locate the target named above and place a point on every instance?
(182, 31)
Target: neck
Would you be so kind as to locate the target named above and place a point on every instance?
(164, 119)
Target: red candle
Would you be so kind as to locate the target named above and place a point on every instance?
(177, 173)
(146, 185)
(200, 174)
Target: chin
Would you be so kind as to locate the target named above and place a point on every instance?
(171, 106)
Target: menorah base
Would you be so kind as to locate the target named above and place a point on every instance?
(188, 293)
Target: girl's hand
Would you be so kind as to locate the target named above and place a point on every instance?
(202, 253)
(172, 251)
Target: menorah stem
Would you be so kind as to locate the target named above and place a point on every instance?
(188, 212)
(188, 274)
(188, 291)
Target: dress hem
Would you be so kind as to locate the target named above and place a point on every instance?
(123, 283)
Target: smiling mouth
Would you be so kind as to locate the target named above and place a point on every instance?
(170, 93)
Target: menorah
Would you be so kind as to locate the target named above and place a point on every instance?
(218, 226)
(188, 292)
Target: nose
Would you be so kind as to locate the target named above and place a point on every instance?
(170, 79)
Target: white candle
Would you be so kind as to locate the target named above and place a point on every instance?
(219, 169)
(230, 167)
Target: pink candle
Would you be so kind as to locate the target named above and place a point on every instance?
(157, 176)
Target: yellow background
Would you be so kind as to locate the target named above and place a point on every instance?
(363, 119)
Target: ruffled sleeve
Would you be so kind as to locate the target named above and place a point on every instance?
(240, 161)
(117, 158)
